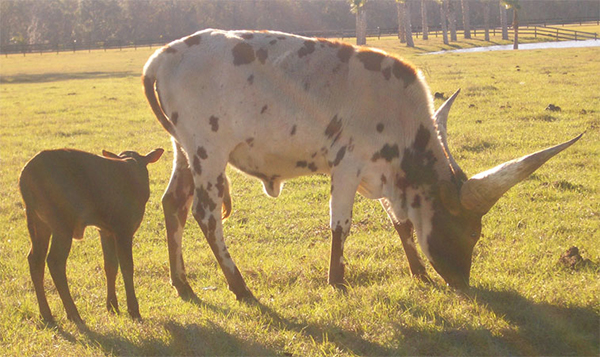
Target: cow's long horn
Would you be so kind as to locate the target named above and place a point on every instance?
(483, 190)
(441, 118)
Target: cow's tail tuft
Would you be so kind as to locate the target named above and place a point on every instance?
(227, 203)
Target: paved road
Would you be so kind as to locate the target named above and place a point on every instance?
(526, 46)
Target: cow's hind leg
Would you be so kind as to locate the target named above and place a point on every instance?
(40, 239)
(210, 181)
(176, 203)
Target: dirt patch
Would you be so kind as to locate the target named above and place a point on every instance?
(573, 260)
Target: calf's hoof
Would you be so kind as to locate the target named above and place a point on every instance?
(185, 291)
(246, 297)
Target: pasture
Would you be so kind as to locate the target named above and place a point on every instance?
(522, 301)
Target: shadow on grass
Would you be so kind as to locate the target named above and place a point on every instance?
(55, 77)
(535, 329)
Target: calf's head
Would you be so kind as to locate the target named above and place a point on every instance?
(460, 204)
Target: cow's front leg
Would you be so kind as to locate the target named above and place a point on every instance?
(405, 230)
(417, 269)
(340, 205)
(176, 203)
(210, 180)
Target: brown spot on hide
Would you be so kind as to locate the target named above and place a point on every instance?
(220, 185)
(404, 71)
(387, 152)
(202, 153)
(309, 47)
(251, 79)
(169, 49)
(416, 202)
(192, 40)
(293, 130)
(212, 223)
(174, 118)
(312, 167)
(417, 163)
(264, 109)
(247, 36)
(197, 166)
(339, 156)
(242, 54)
(272, 42)
(204, 200)
(262, 55)
(345, 53)
(387, 73)
(334, 127)
(281, 38)
(380, 127)
(383, 179)
(301, 164)
(371, 60)
(250, 142)
(214, 123)
(422, 138)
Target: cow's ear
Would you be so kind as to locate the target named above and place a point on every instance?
(154, 155)
(110, 155)
(450, 197)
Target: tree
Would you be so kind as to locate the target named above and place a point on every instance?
(466, 18)
(407, 23)
(444, 19)
(424, 25)
(515, 6)
(503, 21)
(452, 19)
(486, 18)
(358, 7)
(401, 28)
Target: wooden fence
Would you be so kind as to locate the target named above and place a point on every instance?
(553, 33)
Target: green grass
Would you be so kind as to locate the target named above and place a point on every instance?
(522, 301)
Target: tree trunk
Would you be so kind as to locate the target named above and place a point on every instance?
(486, 19)
(444, 18)
(407, 24)
(361, 26)
(401, 29)
(466, 19)
(503, 21)
(424, 26)
(452, 20)
(516, 28)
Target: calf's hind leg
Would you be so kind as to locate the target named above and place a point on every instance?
(111, 267)
(40, 239)
(57, 264)
(125, 255)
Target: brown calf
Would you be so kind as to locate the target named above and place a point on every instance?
(67, 190)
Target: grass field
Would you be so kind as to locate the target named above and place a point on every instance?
(522, 302)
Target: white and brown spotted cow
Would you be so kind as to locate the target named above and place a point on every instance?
(278, 106)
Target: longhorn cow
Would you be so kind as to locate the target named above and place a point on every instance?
(278, 106)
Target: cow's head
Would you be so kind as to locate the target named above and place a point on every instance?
(461, 203)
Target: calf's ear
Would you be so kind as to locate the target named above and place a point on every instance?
(110, 155)
(154, 155)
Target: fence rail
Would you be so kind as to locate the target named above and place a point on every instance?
(556, 33)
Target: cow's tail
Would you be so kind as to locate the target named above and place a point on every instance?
(149, 81)
(227, 203)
